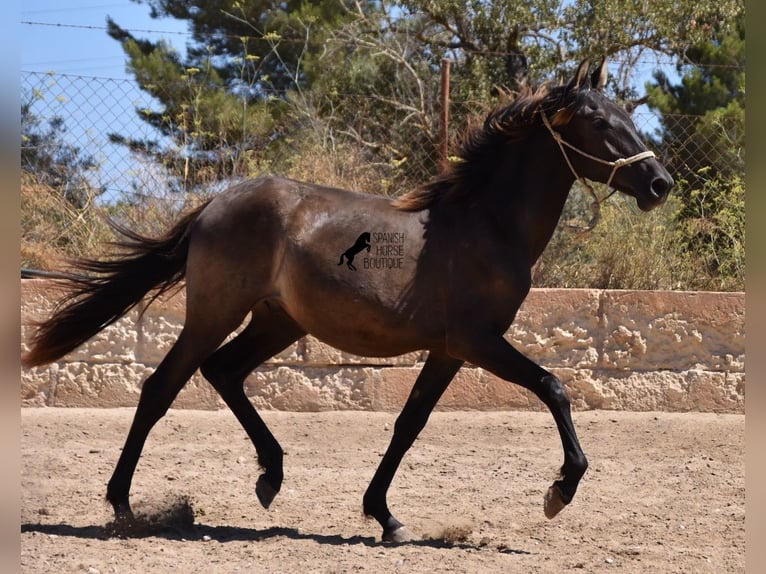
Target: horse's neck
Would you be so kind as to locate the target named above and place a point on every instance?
(528, 194)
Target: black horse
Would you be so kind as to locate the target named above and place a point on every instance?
(472, 236)
(362, 242)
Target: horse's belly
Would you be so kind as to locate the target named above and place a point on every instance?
(362, 324)
(360, 344)
(357, 331)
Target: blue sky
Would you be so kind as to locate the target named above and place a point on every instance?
(69, 36)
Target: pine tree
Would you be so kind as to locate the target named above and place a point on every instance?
(703, 137)
(225, 104)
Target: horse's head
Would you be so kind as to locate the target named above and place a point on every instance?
(601, 143)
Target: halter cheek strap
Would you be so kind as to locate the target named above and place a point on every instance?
(615, 165)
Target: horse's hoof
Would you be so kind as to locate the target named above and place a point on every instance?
(400, 535)
(123, 514)
(265, 492)
(554, 502)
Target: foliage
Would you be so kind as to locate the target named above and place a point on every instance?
(489, 40)
(57, 197)
(348, 93)
(214, 133)
(628, 249)
(54, 228)
(54, 231)
(697, 241)
(260, 46)
(712, 232)
(224, 107)
(702, 136)
(258, 72)
(703, 115)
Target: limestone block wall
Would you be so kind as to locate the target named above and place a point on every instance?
(622, 350)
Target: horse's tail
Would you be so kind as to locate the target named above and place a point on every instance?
(112, 289)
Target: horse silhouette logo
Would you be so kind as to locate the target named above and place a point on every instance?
(362, 242)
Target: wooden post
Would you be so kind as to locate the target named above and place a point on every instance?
(444, 128)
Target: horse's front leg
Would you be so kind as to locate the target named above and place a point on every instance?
(429, 386)
(496, 355)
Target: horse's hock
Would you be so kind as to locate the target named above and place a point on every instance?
(623, 350)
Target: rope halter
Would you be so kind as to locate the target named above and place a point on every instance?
(615, 165)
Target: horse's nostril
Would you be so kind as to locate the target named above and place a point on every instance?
(661, 186)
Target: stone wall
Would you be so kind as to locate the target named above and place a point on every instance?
(622, 350)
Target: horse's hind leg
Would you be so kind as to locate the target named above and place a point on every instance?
(267, 334)
(436, 375)
(158, 392)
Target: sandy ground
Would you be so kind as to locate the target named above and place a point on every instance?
(664, 493)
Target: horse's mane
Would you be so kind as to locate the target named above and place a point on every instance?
(481, 143)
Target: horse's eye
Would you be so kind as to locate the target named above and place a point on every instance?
(600, 123)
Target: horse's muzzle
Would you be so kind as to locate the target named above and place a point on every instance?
(658, 190)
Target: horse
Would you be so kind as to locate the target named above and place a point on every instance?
(267, 248)
(362, 242)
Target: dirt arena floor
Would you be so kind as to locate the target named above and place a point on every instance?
(664, 493)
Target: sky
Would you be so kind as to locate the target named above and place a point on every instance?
(65, 43)
(69, 36)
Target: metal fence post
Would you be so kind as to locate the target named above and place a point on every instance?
(444, 130)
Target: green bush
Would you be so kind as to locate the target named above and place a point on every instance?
(630, 249)
(712, 233)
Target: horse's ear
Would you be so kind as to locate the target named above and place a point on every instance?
(599, 77)
(580, 77)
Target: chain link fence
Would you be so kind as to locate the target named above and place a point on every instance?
(87, 112)
(89, 109)
(78, 116)
(84, 112)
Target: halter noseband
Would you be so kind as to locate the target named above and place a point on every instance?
(615, 165)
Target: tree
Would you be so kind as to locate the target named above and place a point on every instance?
(258, 71)
(225, 103)
(702, 117)
(488, 39)
(392, 56)
(264, 81)
(702, 135)
(276, 36)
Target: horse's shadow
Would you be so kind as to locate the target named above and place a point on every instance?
(204, 532)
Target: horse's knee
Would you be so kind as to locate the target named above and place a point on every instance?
(553, 393)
